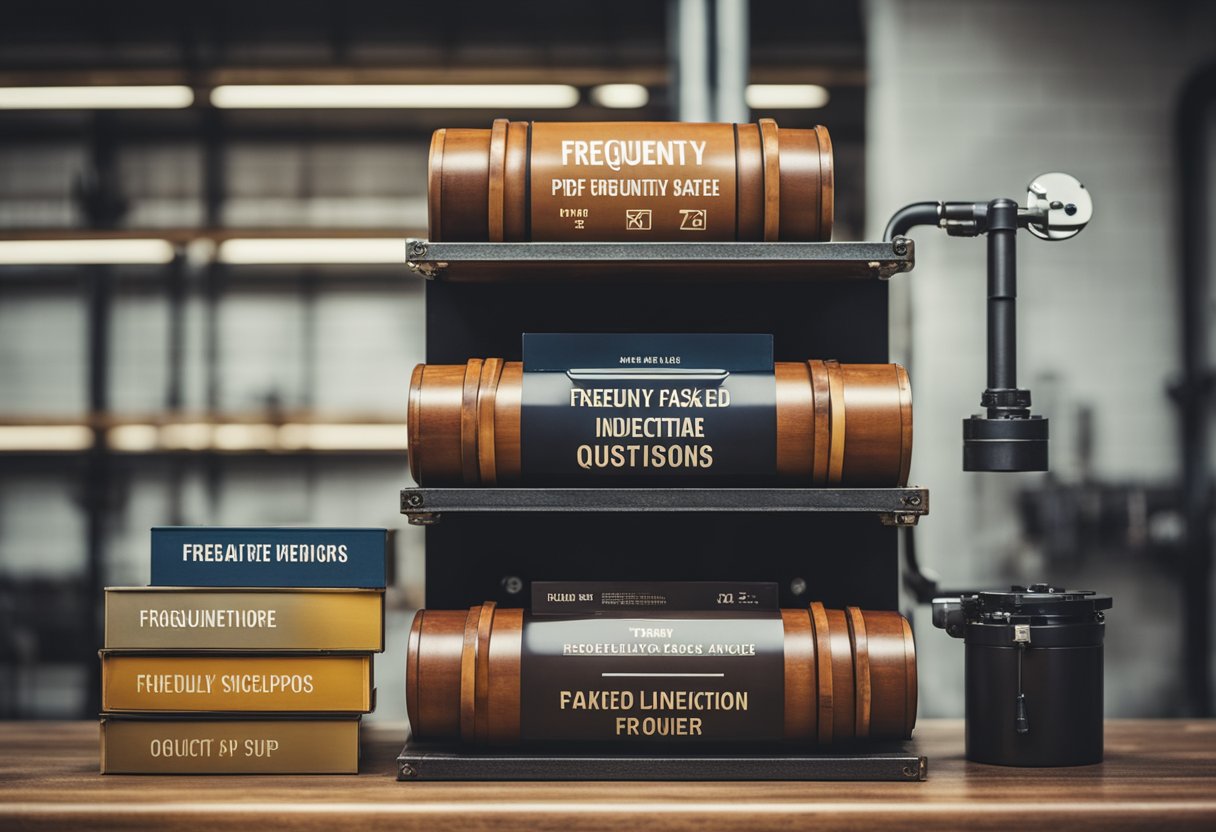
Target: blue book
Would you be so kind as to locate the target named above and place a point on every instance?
(258, 557)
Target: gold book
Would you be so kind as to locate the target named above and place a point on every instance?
(172, 618)
(245, 683)
(229, 746)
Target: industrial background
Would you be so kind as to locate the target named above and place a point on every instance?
(205, 317)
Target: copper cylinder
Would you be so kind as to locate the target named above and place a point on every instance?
(848, 424)
(849, 675)
(520, 181)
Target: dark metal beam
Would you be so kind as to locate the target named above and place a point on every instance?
(98, 193)
(1194, 392)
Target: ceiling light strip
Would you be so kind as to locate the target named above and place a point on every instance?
(394, 96)
(96, 98)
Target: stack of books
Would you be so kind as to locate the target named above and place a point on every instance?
(250, 652)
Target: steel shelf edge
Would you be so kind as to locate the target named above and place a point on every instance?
(847, 259)
(896, 506)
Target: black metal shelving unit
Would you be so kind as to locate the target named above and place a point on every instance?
(836, 545)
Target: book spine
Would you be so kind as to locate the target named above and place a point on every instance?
(186, 619)
(203, 746)
(593, 597)
(269, 557)
(256, 683)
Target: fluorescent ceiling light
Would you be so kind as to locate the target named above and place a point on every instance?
(133, 437)
(234, 437)
(243, 437)
(95, 98)
(186, 436)
(253, 251)
(314, 250)
(446, 96)
(84, 252)
(45, 438)
(620, 96)
(343, 437)
(786, 96)
(319, 437)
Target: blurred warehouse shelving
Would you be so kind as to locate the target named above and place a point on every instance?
(204, 311)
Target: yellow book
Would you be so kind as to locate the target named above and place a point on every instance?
(325, 745)
(133, 682)
(172, 618)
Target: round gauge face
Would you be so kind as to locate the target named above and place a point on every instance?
(1065, 202)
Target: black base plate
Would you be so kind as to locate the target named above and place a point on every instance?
(420, 761)
(1005, 444)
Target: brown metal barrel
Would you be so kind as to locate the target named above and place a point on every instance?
(617, 181)
(849, 675)
(848, 424)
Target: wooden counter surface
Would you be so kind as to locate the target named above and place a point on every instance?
(1159, 773)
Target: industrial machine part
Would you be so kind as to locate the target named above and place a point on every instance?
(1007, 437)
(1034, 673)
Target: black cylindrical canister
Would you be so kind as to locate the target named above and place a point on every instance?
(1033, 671)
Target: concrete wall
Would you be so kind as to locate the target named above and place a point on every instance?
(969, 101)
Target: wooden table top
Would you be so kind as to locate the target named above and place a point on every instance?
(1156, 772)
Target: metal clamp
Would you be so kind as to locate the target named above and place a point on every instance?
(412, 506)
(415, 259)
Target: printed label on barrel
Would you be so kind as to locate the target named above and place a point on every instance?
(662, 677)
(652, 407)
(619, 181)
(640, 597)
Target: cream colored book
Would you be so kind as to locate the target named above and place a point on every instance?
(170, 618)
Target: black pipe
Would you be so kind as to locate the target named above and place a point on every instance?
(98, 475)
(910, 216)
(175, 292)
(175, 298)
(100, 200)
(1007, 438)
(1193, 395)
(214, 131)
(1002, 296)
(922, 587)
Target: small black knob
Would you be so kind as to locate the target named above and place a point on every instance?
(1020, 723)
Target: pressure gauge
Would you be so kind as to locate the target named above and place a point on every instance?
(1057, 206)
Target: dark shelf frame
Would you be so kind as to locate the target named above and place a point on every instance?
(698, 261)
(893, 506)
(438, 762)
(816, 299)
